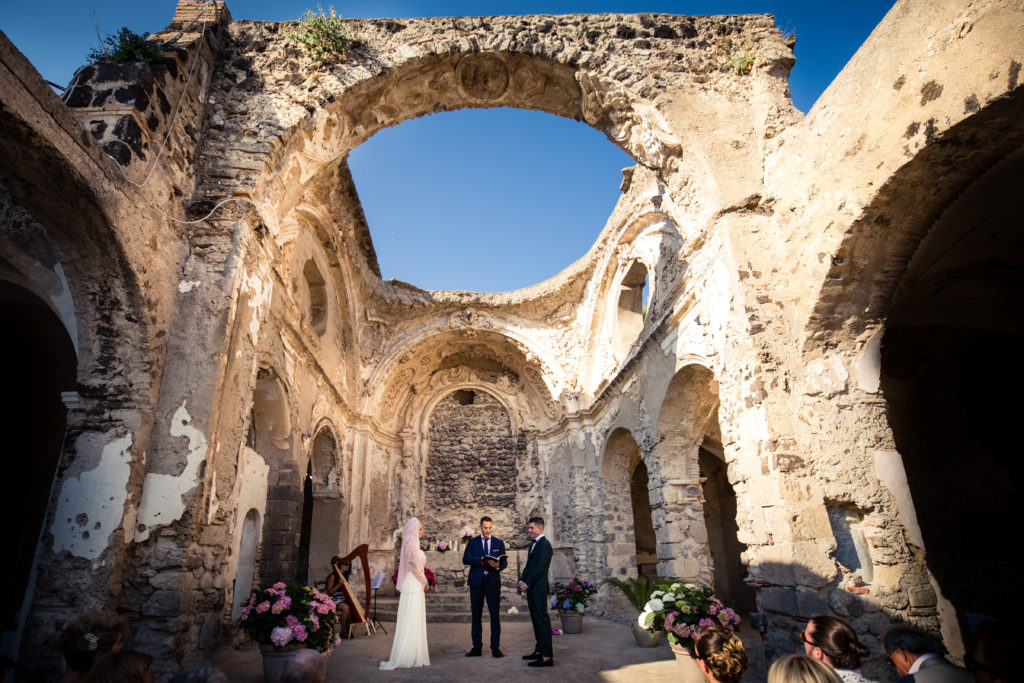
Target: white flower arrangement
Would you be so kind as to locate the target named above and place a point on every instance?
(668, 597)
(654, 605)
(657, 594)
(675, 586)
(513, 610)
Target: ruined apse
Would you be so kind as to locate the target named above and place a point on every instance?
(234, 394)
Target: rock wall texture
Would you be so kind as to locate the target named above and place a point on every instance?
(825, 293)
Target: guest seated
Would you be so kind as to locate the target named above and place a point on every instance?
(123, 666)
(801, 669)
(304, 666)
(916, 656)
(720, 654)
(334, 590)
(88, 637)
(832, 641)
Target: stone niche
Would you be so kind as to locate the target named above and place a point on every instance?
(472, 464)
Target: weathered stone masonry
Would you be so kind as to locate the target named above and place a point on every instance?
(810, 319)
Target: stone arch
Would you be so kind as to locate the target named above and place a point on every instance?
(630, 305)
(423, 83)
(41, 378)
(869, 264)
(329, 513)
(690, 402)
(630, 542)
(70, 262)
(449, 351)
(953, 326)
(650, 242)
(270, 410)
(271, 420)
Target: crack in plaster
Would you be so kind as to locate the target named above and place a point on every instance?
(162, 494)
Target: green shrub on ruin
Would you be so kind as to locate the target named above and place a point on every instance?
(126, 46)
(742, 61)
(323, 34)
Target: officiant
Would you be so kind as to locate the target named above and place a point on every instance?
(485, 556)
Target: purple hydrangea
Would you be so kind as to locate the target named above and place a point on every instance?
(281, 636)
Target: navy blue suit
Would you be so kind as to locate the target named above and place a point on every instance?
(484, 587)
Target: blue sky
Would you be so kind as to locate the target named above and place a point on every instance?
(483, 200)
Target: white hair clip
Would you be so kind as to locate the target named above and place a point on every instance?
(92, 639)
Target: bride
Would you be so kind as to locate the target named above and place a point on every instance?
(410, 646)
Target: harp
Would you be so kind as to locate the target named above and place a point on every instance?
(357, 613)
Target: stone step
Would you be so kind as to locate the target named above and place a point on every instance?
(453, 608)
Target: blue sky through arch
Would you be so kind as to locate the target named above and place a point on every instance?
(485, 200)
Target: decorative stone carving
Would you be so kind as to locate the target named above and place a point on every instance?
(639, 129)
(469, 321)
(527, 83)
(483, 76)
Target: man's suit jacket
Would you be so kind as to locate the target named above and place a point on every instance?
(535, 573)
(473, 556)
(939, 670)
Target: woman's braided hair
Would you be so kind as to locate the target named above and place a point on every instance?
(722, 652)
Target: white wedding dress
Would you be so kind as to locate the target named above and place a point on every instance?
(410, 646)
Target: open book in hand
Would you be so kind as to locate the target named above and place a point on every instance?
(495, 558)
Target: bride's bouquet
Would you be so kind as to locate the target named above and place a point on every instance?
(291, 613)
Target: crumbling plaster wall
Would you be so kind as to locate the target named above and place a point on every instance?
(735, 250)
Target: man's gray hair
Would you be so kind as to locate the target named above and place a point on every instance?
(910, 639)
(304, 666)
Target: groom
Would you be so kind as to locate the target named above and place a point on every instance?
(534, 582)
(485, 583)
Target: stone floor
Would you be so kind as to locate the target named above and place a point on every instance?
(605, 651)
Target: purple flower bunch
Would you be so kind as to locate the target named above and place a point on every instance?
(291, 613)
(572, 595)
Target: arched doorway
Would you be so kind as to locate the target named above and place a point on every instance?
(246, 561)
(41, 364)
(630, 544)
(695, 486)
(949, 369)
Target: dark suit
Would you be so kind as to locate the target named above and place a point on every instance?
(535, 576)
(484, 584)
(939, 670)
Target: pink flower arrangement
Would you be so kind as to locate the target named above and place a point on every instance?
(283, 614)
(680, 610)
(442, 547)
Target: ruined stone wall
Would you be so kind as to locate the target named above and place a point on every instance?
(472, 464)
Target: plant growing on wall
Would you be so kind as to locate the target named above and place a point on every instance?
(323, 34)
(742, 61)
(126, 46)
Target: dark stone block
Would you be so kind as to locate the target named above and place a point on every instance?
(121, 153)
(665, 31)
(80, 96)
(163, 603)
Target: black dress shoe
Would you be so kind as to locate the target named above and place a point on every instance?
(533, 655)
(542, 662)
(475, 652)
(495, 652)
